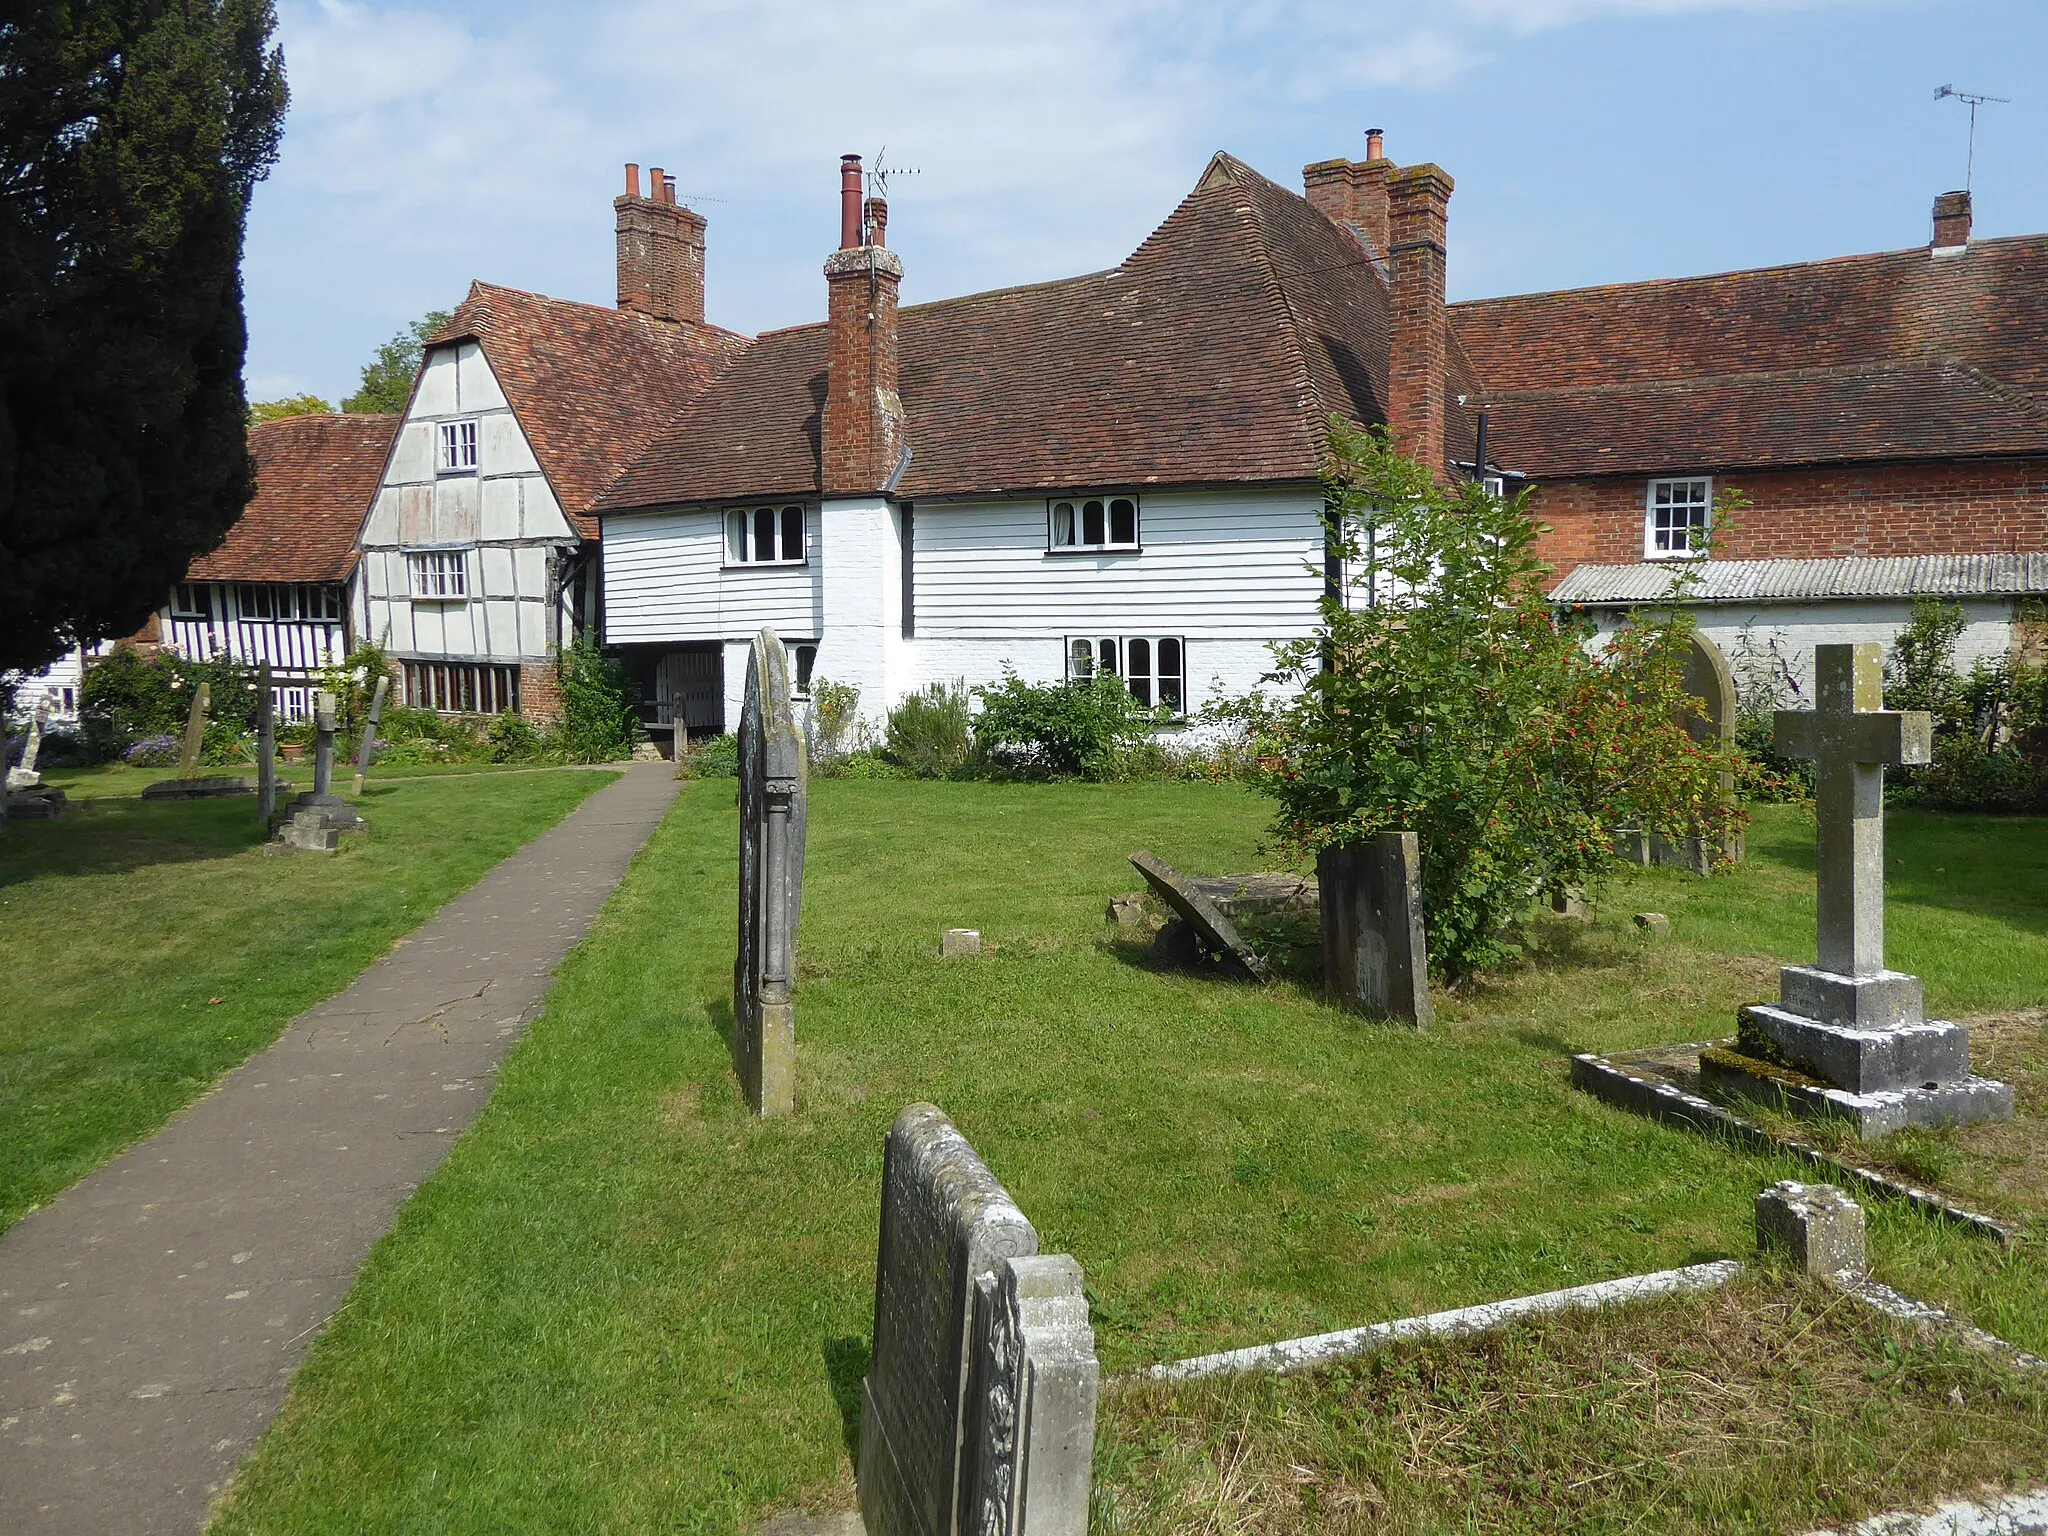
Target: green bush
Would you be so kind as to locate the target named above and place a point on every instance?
(865, 765)
(127, 696)
(718, 758)
(931, 732)
(599, 722)
(513, 739)
(835, 720)
(1990, 723)
(1086, 729)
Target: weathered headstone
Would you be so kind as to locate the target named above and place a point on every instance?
(188, 785)
(26, 776)
(1849, 1037)
(1709, 680)
(1375, 957)
(946, 1223)
(195, 731)
(1215, 932)
(1031, 1401)
(368, 749)
(774, 807)
(266, 748)
(956, 943)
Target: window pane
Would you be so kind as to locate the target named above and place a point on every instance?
(1105, 655)
(1170, 674)
(1062, 522)
(1080, 661)
(469, 445)
(792, 533)
(1123, 521)
(1091, 522)
(764, 533)
(806, 658)
(735, 537)
(1138, 658)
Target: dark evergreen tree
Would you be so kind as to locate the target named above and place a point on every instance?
(131, 135)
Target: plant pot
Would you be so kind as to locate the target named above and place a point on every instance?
(293, 751)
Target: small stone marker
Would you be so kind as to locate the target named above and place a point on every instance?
(1375, 957)
(959, 941)
(774, 807)
(1819, 1223)
(368, 749)
(1848, 1037)
(1031, 1405)
(1126, 911)
(1653, 924)
(266, 749)
(1215, 932)
(946, 1224)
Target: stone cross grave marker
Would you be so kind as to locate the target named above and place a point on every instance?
(26, 777)
(1216, 932)
(266, 748)
(195, 731)
(774, 807)
(369, 743)
(317, 819)
(1031, 1405)
(946, 1223)
(1852, 1034)
(1374, 955)
(324, 708)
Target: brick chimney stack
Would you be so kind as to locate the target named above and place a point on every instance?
(1418, 204)
(1354, 191)
(661, 250)
(861, 436)
(1951, 221)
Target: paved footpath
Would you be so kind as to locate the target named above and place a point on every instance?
(151, 1316)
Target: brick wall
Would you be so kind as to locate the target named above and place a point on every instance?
(540, 700)
(1948, 508)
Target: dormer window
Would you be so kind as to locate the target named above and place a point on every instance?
(1676, 518)
(764, 535)
(458, 448)
(1079, 524)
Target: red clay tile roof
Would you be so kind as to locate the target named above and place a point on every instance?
(1213, 355)
(589, 385)
(1896, 355)
(315, 476)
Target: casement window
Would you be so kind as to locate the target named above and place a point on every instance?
(1078, 524)
(457, 452)
(191, 600)
(764, 535)
(1153, 667)
(319, 605)
(255, 603)
(1676, 518)
(460, 688)
(805, 659)
(438, 575)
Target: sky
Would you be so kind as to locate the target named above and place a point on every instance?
(1592, 141)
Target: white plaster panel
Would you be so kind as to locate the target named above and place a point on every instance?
(495, 575)
(502, 448)
(416, 514)
(429, 627)
(458, 629)
(381, 526)
(500, 513)
(455, 510)
(476, 386)
(533, 629)
(502, 621)
(542, 517)
(532, 569)
(412, 456)
(436, 394)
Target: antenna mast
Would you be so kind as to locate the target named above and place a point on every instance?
(1974, 99)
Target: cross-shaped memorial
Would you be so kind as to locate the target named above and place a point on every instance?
(1848, 1037)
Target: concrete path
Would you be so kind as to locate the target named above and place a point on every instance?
(152, 1315)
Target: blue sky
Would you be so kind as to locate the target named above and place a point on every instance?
(1591, 140)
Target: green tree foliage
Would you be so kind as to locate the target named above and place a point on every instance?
(1088, 729)
(261, 411)
(131, 135)
(931, 732)
(1459, 706)
(1990, 722)
(598, 720)
(386, 386)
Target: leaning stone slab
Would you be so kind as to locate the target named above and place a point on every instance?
(774, 808)
(1216, 933)
(1375, 957)
(1820, 1225)
(1258, 895)
(1031, 1409)
(946, 1224)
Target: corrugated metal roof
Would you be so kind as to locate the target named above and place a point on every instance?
(1784, 581)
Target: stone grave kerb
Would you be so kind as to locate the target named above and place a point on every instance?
(774, 792)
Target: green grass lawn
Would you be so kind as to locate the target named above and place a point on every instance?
(151, 946)
(622, 1305)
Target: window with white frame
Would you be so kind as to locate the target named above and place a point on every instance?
(191, 600)
(1153, 667)
(255, 602)
(1677, 517)
(1075, 524)
(439, 575)
(764, 535)
(458, 448)
(806, 659)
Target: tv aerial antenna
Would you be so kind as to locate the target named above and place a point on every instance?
(880, 172)
(1974, 100)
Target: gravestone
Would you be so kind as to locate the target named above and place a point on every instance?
(1031, 1402)
(1848, 1037)
(266, 749)
(26, 776)
(188, 785)
(774, 807)
(315, 821)
(1709, 679)
(369, 743)
(1374, 955)
(1205, 919)
(1819, 1225)
(946, 1224)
